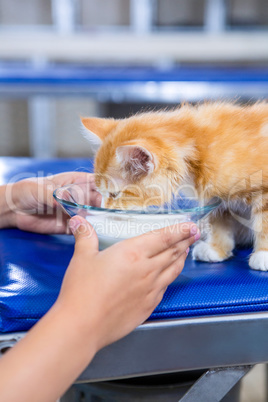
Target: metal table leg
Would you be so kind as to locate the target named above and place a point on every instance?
(215, 384)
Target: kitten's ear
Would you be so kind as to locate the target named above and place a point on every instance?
(136, 160)
(95, 129)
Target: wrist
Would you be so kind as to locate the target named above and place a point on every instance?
(53, 350)
(83, 331)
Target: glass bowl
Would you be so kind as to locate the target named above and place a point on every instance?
(113, 225)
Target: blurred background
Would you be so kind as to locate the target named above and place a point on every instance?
(60, 59)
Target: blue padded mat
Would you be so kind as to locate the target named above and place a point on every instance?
(32, 267)
(31, 271)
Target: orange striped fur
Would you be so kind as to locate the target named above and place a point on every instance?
(221, 149)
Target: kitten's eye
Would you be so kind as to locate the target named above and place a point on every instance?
(114, 195)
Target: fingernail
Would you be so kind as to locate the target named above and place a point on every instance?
(187, 251)
(74, 224)
(193, 230)
(197, 236)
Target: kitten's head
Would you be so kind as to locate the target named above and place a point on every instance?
(137, 163)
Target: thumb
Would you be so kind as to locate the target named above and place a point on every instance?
(84, 234)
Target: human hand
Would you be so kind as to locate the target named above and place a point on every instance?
(109, 293)
(104, 296)
(33, 208)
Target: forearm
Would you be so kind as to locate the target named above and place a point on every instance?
(47, 360)
(7, 216)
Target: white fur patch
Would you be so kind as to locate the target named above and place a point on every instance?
(259, 261)
(94, 141)
(187, 186)
(203, 251)
(138, 157)
(228, 157)
(264, 130)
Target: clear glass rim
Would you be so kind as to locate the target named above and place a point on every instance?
(204, 209)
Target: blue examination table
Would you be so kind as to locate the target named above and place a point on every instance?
(213, 317)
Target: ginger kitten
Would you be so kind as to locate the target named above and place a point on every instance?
(219, 149)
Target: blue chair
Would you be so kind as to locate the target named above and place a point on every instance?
(213, 317)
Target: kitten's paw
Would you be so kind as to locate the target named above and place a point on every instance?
(205, 252)
(259, 261)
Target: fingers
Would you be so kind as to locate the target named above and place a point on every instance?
(169, 264)
(63, 179)
(84, 234)
(172, 272)
(153, 243)
(167, 277)
(77, 187)
(95, 199)
(167, 257)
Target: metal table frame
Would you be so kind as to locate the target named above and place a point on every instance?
(227, 346)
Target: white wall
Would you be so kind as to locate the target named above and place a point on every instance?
(104, 12)
(25, 12)
(13, 128)
(14, 133)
